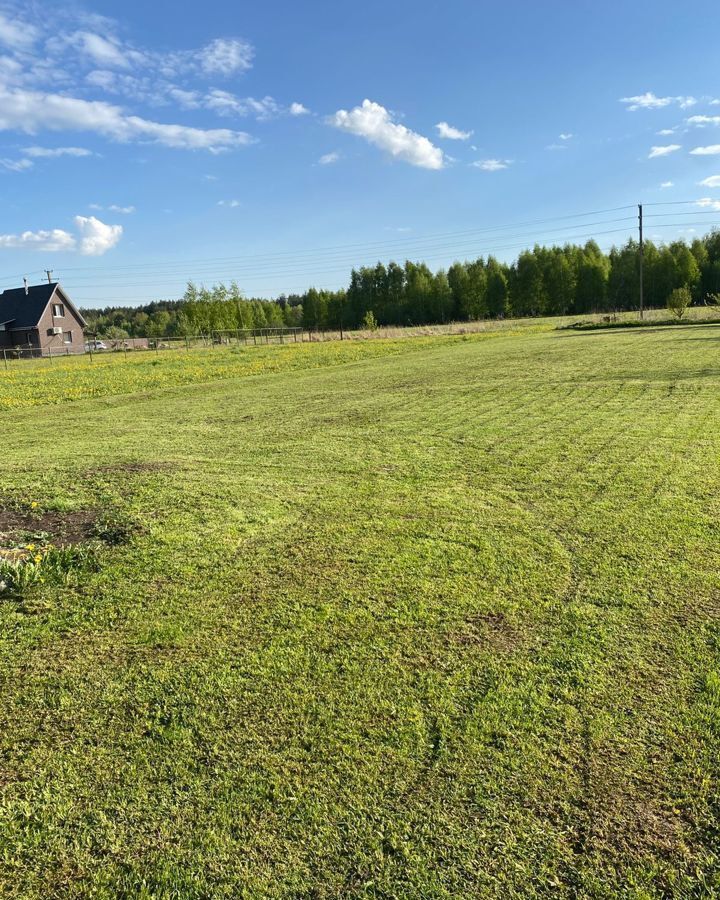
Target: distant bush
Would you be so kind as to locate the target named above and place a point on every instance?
(369, 322)
(679, 301)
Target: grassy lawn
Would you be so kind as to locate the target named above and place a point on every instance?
(399, 619)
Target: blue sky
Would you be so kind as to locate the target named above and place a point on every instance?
(281, 143)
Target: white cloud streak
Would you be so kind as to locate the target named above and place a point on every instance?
(701, 121)
(713, 181)
(51, 152)
(449, 133)
(711, 150)
(492, 165)
(655, 152)
(374, 123)
(649, 100)
(327, 159)
(51, 241)
(16, 165)
(34, 111)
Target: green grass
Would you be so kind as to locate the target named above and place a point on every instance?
(429, 624)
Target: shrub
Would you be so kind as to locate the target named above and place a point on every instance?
(34, 566)
(369, 321)
(679, 301)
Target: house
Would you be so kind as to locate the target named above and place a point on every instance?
(41, 318)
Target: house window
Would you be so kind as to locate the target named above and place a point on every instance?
(67, 337)
(58, 310)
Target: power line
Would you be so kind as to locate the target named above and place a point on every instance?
(350, 260)
(340, 265)
(281, 254)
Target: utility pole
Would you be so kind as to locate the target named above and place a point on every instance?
(49, 272)
(640, 227)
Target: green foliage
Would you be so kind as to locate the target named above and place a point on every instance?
(678, 301)
(544, 281)
(36, 566)
(369, 321)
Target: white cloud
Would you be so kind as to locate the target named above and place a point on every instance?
(667, 184)
(556, 147)
(701, 121)
(452, 134)
(33, 111)
(650, 101)
(101, 51)
(51, 241)
(226, 104)
(374, 123)
(566, 136)
(327, 159)
(666, 132)
(186, 99)
(297, 109)
(93, 239)
(709, 203)
(48, 152)
(225, 56)
(491, 165)
(96, 237)
(16, 165)
(231, 203)
(713, 181)
(663, 151)
(125, 210)
(711, 150)
(16, 34)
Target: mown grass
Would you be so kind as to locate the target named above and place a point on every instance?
(424, 624)
(25, 383)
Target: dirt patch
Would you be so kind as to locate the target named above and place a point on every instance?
(487, 630)
(61, 528)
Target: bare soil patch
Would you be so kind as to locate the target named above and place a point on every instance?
(61, 528)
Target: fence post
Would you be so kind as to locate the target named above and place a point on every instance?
(5, 357)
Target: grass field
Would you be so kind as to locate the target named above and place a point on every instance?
(417, 619)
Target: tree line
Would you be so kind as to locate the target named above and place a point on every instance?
(545, 281)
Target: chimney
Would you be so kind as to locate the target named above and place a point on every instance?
(26, 286)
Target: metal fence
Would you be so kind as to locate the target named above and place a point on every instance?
(248, 337)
